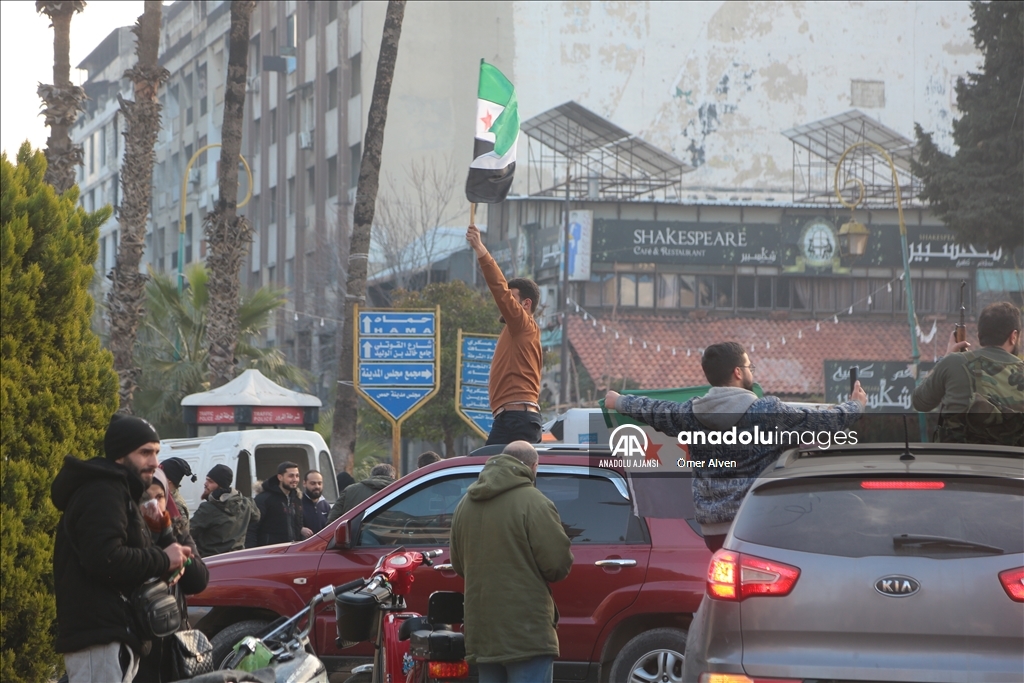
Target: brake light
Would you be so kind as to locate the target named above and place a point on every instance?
(735, 576)
(740, 678)
(1013, 583)
(882, 484)
(448, 669)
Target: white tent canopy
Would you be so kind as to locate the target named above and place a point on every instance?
(251, 388)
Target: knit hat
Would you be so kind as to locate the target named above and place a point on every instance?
(176, 469)
(160, 477)
(126, 434)
(221, 474)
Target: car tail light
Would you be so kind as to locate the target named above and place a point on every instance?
(735, 576)
(741, 678)
(1013, 583)
(886, 484)
(448, 669)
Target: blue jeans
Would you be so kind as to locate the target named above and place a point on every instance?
(536, 670)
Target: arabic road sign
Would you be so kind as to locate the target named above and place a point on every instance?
(397, 349)
(888, 384)
(397, 323)
(396, 402)
(396, 374)
(472, 399)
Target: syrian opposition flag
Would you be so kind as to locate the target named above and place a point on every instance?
(497, 133)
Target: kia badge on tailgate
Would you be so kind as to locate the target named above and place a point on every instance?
(897, 586)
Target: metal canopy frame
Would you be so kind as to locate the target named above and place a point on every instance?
(604, 160)
(818, 146)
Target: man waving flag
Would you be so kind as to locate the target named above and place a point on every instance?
(497, 133)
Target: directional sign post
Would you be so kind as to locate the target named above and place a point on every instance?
(397, 364)
(472, 401)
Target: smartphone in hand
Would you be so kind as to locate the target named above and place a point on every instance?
(853, 377)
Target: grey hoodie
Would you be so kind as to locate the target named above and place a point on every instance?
(722, 407)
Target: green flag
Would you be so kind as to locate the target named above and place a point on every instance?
(497, 134)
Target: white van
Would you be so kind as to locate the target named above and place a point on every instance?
(253, 455)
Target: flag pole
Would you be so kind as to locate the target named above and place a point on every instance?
(472, 213)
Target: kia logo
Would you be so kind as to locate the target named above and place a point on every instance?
(897, 586)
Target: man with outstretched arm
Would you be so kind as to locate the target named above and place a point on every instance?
(514, 386)
(718, 491)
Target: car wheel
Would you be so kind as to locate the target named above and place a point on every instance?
(225, 640)
(654, 656)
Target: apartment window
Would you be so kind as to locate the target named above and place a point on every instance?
(115, 189)
(273, 126)
(273, 205)
(103, 255)
(311, 19)
(202, 89)
(188, 238)
(117, 134)
(332, 89)
(103, 146)
(356, 158)
(92, 153)
(256, 132)
(332, 11)
(310, 185)
(292, 114)
(202, 155)
(291, 196)
(355, 66)
(290, 35)
(309, 112)
(254, 55)
(332, 176)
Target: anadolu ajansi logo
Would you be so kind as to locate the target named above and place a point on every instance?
(628, 441)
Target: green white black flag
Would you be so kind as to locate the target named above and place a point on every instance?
(497, 134)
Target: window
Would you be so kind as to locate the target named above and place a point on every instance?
(627, 289)
(103, 146)
(746, 291)
(764, 292)
(115, 189)
(645, 291)
(103, 255)
(356, 157)
(332, 176)
(201, 78)
(254, 55)
(422, 517)
(202, 155)
(332, 11)
(332, 89)
(782, 293)
(668, 295)
(273, 126)
(310, 19)
(310, 185)
(723, 291)
(290, 32)
(355, 66)
(293, 114)
(591, 508)
(188, 238)
(273, 204)
(92, 153)
(687, 291)
(291, 196)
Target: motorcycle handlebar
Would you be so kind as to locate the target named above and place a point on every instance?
(346, 587)
(432, 553)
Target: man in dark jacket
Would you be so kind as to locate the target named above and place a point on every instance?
(380, 476)
(224, 517)
(104, 551)
(280, 510)
(315, 507)
(508, 543)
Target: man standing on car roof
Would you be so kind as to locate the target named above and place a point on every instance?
(718, 491)
(508, 543)
(981, 392)
(280, 510)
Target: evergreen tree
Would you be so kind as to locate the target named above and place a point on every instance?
(979, 191)
(57, 393)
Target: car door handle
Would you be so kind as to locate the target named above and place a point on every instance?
(616, 563)
(444, 568)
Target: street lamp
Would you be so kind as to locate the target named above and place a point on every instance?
(856, 237)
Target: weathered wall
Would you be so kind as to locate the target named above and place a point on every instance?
(715, 83)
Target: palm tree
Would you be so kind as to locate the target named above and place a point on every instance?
(174, 369)
(227, 234)
(126, 299)
(346, 407)
(62, 100)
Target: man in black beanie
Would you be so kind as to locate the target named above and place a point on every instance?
(177, 469)
(225, 516)
(104, 551)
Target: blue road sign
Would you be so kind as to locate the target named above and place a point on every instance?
(397, 401)
(396, 374)
(483, 419)
(474, 398)
(402, 348)
(478, 348)
(397, 323)
(475, 373)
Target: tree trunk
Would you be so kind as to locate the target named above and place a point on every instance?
(343, 436)
(449, 443)
(142, 119)
(227, 234)
(62, 100)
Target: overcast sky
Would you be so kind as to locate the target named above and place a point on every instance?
(26, 59)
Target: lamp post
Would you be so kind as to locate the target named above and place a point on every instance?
(855, 236)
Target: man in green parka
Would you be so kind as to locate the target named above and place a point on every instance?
(508, 544)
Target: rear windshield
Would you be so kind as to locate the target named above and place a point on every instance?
(839, 516)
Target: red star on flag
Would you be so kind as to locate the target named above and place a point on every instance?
(487, 120)
(652, 452)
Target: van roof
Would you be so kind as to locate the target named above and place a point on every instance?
(247, 437)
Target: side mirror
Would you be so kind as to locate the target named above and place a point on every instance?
(343, 535)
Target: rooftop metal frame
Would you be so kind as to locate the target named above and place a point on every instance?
(604, 161)
(818, 146)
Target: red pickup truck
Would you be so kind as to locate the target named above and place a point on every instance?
(625, 607)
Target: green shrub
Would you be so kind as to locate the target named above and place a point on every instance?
(57, 393)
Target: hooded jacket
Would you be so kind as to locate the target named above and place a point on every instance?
(102, 553)
(222, 522)
(280, 516)
(508, 543)
(355, 494)
(719, 490)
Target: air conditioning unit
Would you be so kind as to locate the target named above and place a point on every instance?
(194, 176)
(306, 140)
(253, 85)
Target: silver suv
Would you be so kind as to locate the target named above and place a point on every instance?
(870, 563)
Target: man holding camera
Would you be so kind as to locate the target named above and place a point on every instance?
(104, 551)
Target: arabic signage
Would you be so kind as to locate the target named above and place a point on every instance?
(472, 400)
(888, 384)
(254, 415)
(397, 362)
(798, 244)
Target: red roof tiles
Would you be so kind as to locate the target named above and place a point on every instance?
(791, 369)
